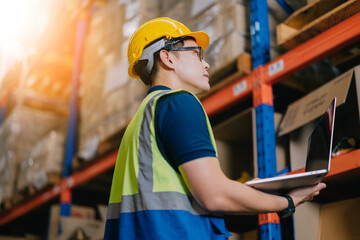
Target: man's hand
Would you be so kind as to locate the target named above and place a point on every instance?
(301, 195)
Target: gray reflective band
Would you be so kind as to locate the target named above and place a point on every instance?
(146, 199)
(145, 177)
(148, 54)
(155, 201)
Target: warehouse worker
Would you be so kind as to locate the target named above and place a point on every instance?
(167, 180)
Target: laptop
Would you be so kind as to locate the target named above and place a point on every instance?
(317, 162)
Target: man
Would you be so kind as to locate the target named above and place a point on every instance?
(167, 182)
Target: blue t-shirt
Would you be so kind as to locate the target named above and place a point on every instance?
(181, 129)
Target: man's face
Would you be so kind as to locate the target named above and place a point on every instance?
(191, 71)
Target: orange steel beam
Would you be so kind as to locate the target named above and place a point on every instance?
(315, 49)
(74, 180)
(343, 164)
(229, 95)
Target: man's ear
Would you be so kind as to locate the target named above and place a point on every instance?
(167, 58)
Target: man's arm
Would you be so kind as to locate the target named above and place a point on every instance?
(217, 193)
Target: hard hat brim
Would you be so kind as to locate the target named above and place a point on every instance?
(202, 38)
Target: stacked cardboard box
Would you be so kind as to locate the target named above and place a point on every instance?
(337, 220)
(109, 97)
(228, 25)
(224, 21)
(276, 16)
(302, 115)
(81, 222)
(44, 163)
(237, 147)
(19, 134)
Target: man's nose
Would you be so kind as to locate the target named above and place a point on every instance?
(206, 65)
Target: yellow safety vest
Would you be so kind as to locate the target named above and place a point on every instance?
(148, 197)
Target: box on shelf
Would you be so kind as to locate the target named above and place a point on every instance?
(26, 237)
(19, 133)
(44, 163)
(51, 77)
(301, 115)
(77, 214)
(208, 21)
(198, 6)
(312, 19)
(236, 143)
(106, 89)
(250, 235)
(234, 17)
(42, 86)
(306, 221)
(180, 11)
(276, 16)
(8, 167)
(11, 238)
(331, 221)
(118, 97)
(225, 50)
(105, 34)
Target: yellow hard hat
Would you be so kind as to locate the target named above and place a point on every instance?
(156, 29)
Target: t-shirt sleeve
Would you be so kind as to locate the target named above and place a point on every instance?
(182, 132)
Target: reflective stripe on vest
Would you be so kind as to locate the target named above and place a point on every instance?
(168, 198)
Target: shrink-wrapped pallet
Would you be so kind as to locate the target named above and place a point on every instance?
(19, 133)
(44, 164)
(108, 94)
(226, 22)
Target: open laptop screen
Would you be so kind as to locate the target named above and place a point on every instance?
(320, 141)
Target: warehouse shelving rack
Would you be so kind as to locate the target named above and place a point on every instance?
(259, 85)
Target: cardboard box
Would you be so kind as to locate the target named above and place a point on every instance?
(77, 212)
(340, 220)
(332, 221)
(179, 10)
(19, 133)
(209, 22)
(251, 235)
(44, 163)
(235, 17)
(301, 116)
(198, 6)
(226, 49)
(306, 221)
(236, 144)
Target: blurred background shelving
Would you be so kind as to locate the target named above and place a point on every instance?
(37, 71)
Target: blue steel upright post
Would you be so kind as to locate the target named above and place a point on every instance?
(71, 141)
(264, 109)
(2, 114)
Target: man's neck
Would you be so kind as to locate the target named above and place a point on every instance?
(166, 80)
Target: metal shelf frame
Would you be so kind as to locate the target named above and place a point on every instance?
(102, 165)
(269, 224)
(340, 166)
(315, 49)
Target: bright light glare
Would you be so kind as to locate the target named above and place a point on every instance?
(17, 30)
(17, 20)
(13, 16)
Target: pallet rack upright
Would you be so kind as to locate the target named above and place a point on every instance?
(264, 109)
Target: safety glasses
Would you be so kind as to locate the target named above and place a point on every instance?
(199, 52)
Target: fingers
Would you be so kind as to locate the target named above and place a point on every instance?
(304, 194)
(321, 186)
(311, 197)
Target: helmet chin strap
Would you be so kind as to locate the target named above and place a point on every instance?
(148, 54)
